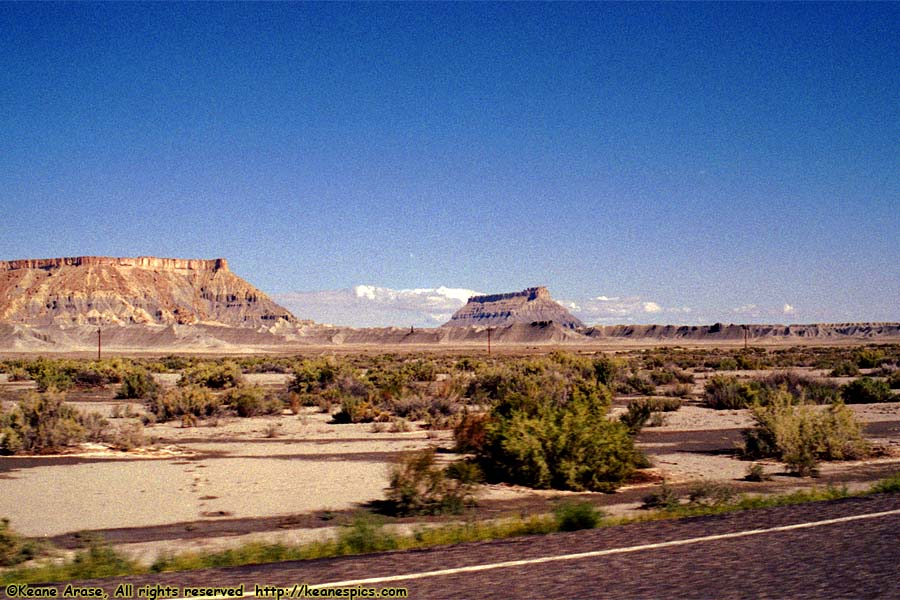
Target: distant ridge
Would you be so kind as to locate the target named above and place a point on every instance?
(132, 290)
(531, 305)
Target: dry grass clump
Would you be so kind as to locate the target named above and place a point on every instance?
(801, 435)
(44, 423)
(418, 486)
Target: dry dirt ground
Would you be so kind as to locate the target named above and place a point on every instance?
(293, 478)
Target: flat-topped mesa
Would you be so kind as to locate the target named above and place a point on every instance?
(146, 262)
(531, 305)
(532, 293)
(144, 289)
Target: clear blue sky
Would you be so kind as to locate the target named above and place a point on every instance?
(741, 161)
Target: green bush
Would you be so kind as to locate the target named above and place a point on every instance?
(312, 376)
(252, 400)
(665, 498)
(605, 370)
(545, 439)
(417, 486)
(355, 410)
(710, 493)
(894, 379)
(137, 383)
(866, 390)
(801, 435)
(801, 387)
(573, 516)
(728, 392)
(192, 401)
(869, 358)
(213, 375)
(40, 423)
(635, 417)
(640, 385)
(845, 369)
(14, 549)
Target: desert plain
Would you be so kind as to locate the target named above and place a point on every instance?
(299, 475)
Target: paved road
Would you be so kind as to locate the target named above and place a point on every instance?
(843, 549)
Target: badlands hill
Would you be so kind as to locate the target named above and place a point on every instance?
(100, 290)
(532, 305)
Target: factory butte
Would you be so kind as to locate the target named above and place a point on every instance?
(149, 303)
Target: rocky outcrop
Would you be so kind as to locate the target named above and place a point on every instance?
(142, 290)
(146, 262)
(532, 305)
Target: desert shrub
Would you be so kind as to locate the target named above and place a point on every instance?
(640, 385)
(365, 534)
(680, 391)
(41, 422)
(845, 369)
(408, 406)
(138, 383)
(417, 486)
(866, 390)
(471, 433)
(605, 370)
(192, 401)
(710, 493)
(889, 485)
(128, 436)
(421, 370)
(801, 387)
(728, 392)
(574, 516)
(49, 375)
(756, 472)
(801, 436)
(400, 425)
(468, 364)
(894, 379)
(662, 376)
(543, 441)
(665, 498)
(635, 417)
(14, 548)
(465, 471)
(659, 404)
(252, 400)
(355, 410)
(723, 364)
(17, 374)
(212, 375)
(869, 358)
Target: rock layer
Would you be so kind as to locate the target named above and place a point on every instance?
(145, 290)
(531, 305)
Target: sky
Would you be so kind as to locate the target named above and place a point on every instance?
(371, 164)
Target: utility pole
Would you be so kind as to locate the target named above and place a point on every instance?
(490, 329)
(746, 329)
(98, 342)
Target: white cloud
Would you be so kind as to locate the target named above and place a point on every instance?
(373, 306)
(765, 313)
(629, 309)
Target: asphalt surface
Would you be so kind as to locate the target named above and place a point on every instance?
(859, 558)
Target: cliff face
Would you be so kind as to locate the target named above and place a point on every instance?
(531, 305)
(145, 289)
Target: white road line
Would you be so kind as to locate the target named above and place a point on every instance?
(590, 554)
